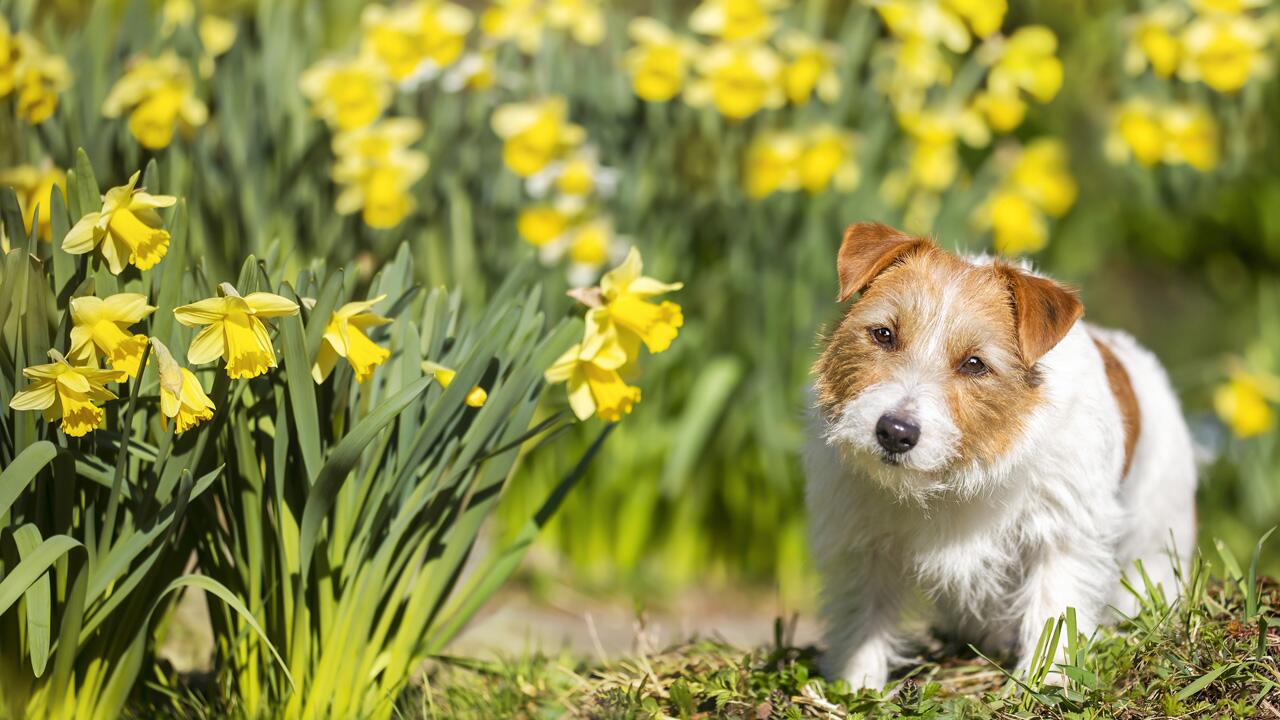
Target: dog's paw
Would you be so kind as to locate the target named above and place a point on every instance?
(867, 669)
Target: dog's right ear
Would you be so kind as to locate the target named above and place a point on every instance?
(867, 249)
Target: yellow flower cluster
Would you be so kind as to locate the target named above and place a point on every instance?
(31, 73)
(815, 159)
(1037, 185)
(525, 22)
(34, 186)
(216, 33)
(1221, 43)
(1244, 402)
(620, 319)
(752, 63)
(563, 174)
(401, 47)
(1172, 133)
(128, 230)
(159, 96)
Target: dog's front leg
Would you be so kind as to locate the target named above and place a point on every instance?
(1077, 576)
(862, 608)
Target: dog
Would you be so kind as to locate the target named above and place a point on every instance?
(978, 445)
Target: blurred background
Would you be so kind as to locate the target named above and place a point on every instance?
(1129, 148)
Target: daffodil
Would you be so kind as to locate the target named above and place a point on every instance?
(159, 95)
(127, 230)
(376, 170)
(929, 21)
(541, 224)
(1154, 40)
(417, 40)
(535, 133)
(590, 244)
(584, 19)
(1041, 175)
(475, 398)
(983, 17)
(345, 337)
(1004, 112)
(347, 94)
(935, 161)
(182, 398)
(734, 20)
(577, 176)
(591, 370)
(474, 71)
(60, 390)
(739, 79)
(1137, 132)
(916, 65)
(626, 310)
(233, 328)
(34, 186)
(1227, 7)
(38, 77)
(1027, 61)
(773, 163)
(659, 61)
(1242, 404)
(1017, 225)
(100, 326)
(1191, 136)
(9, 57)
(1224, 51)
(827, 160)
(217, 34)
(444, 31)
(521, 21)
(811, 65)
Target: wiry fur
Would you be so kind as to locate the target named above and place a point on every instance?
(1012, 506)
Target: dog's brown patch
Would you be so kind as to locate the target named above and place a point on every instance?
(1126, 399)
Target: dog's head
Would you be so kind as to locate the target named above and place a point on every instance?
(932, 370)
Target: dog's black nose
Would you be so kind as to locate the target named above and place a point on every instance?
(896, 434)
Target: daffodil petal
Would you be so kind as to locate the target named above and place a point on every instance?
(207, 346)
(38, 397)
(204, 312)
(267, 305)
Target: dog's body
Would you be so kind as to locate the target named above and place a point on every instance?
(1004, 493)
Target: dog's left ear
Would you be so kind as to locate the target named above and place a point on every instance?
(866, 250)
(1044, 311)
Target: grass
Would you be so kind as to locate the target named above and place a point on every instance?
(1212, 654)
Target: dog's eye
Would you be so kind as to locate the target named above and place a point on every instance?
(973, 365)
(884, 337)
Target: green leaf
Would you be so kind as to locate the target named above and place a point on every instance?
(35, 564)
(1251, 597)
(340, 463)
(302, 390)
(38, 602)
(1202, 682)
(22, 471)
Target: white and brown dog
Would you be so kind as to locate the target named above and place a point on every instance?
(982, 446)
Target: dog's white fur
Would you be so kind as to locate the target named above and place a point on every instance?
(997, 548)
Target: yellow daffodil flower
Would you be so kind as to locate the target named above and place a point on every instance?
(983, 17)
(100, 327)
(37, 76)
(1017, 224)
(419, 39)
(1224, 51)
(735, 20)
(159, 95)
(590, 243)
(584, 19)
(1027, 61)
(591, 370)
(60, 390)
(773, 163)
(827, 160)
(522, 21)
(916, 66)
(1041, 175)
(444, 376)
(1004, 112)
(1243, 406)
(928, 21)
(9, 57)
(34, 186)
(347, 94)
(376, 170)
(182, 398)
(217, 34)
(1154, 41)
(233, 328)
(935, 162)
(127, 230)
(739, 79)
(345, 337)
(474, 71)
(811, 65)
(541, 224)
(658, 62)
(1137, 132)
(534, 133)
(444, 32)
(1227, 7)
(1191, 136)
(625, 292)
